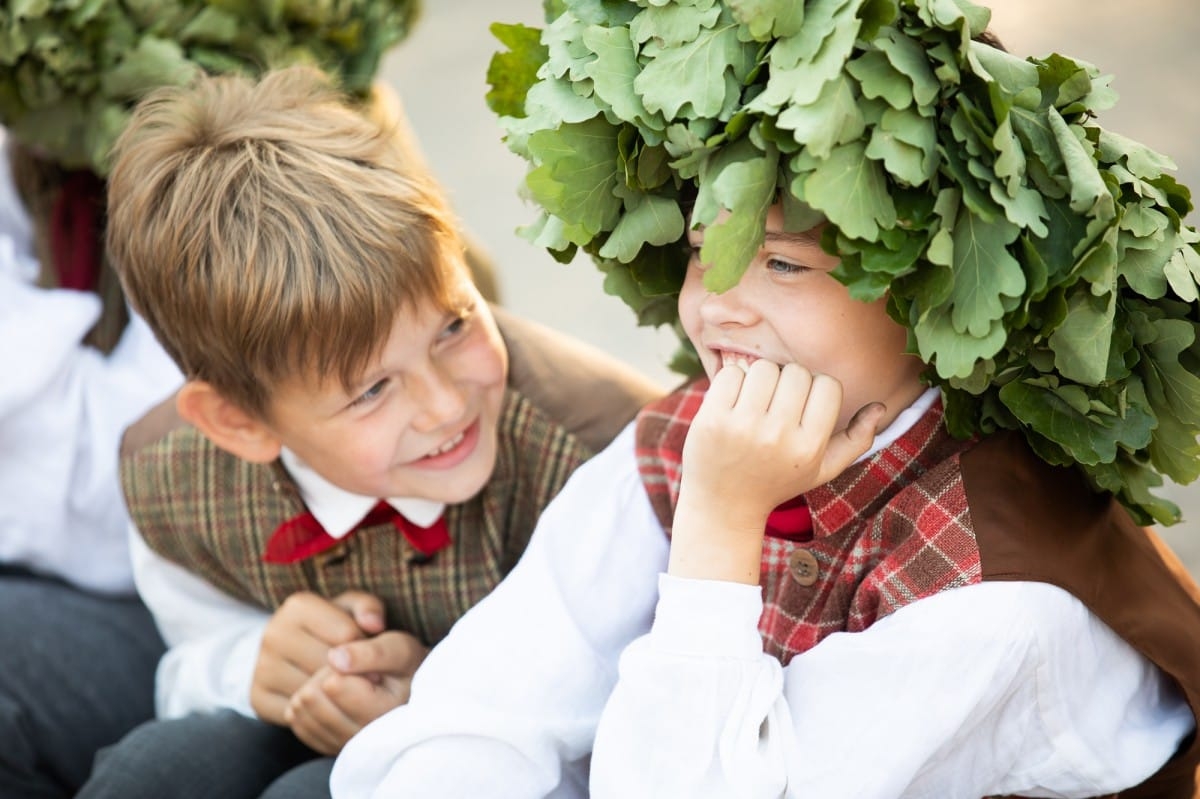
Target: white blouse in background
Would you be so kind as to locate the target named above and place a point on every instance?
(63, 407)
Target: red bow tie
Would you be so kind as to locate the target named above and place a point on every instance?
(792, 520)
(303, 536)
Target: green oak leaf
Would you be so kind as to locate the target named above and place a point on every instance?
(906, 143)
(834, 118)
(954, 353)
(696, 74)
(1169, 385)
(1183, 272)
(647, 220)
(880, 79)
(1082, 342)
(1141, 160)
(907, 57)
(510, 74)
(153, 62)
(613, 70)
(1090, 439)
(577, 176)
(796, 75)
(767, 19)
(672, 25)
(745, 186)
(984, 272)
(851, 190)
(1087, 187)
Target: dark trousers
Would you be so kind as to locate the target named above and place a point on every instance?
(221, 755)
(76, 674)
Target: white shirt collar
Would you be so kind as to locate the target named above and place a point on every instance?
(906, 419)
(339, 510)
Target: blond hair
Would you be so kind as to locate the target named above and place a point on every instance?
(269, 230)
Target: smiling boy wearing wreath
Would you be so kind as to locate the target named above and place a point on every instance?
(869, 586)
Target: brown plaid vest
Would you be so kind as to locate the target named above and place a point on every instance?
(929, 513)
(213, 513)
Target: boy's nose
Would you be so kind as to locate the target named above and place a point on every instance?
(438, 398)
(726, 308)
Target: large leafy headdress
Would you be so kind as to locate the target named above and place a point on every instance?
(1040, 263)
(70, 70)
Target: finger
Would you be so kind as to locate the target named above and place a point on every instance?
(758, 388)
(364, 701)
(393, 652)
(791, 395)
(318, 720)
(269, 706)
(278, 675)
(292, 649)
(315, 616)
(823, 408)
(850, 444)
(723, 388)
(365, 609)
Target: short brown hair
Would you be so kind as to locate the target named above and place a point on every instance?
(269, 229)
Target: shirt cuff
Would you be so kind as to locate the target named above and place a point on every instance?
(707, 618)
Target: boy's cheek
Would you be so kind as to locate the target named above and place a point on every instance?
(486, 359)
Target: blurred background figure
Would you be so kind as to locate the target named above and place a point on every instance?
(81, 649)
(442, 75)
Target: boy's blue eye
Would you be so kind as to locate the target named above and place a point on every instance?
(458, 324)
(782, 267)
(371, 393)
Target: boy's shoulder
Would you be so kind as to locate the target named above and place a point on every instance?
(590, 393)
(163, 455)
(151, 427)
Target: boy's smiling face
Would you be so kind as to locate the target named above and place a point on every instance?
(421, 422)
(788, 308)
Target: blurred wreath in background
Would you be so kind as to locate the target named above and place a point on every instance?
(70, 70)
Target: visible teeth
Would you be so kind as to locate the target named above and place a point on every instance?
(449, 445)
(735, 359)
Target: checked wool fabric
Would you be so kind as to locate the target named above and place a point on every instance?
(886, 532)
(213, 514)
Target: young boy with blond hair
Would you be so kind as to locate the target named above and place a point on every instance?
(361, 446)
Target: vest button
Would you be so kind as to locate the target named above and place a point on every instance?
(803, 565)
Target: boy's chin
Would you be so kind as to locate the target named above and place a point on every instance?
(471, 478)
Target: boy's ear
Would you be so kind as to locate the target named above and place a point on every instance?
(226, 424)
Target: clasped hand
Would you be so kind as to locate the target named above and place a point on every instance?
(327, 668)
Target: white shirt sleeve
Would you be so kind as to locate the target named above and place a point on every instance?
(212, 639)
(506, 705)
(63, 407)
(993, 689)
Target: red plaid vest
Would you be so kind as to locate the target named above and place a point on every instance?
(886, 532)
(929, 513)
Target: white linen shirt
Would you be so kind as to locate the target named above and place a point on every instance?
(212, 638)
(63, 407)
(987, 689)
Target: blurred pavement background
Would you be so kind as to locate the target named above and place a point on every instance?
(1151, 47)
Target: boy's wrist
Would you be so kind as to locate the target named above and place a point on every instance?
(716, 543)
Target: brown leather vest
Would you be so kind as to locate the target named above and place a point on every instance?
(1124, 574)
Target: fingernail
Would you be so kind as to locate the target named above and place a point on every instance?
(340, 659)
